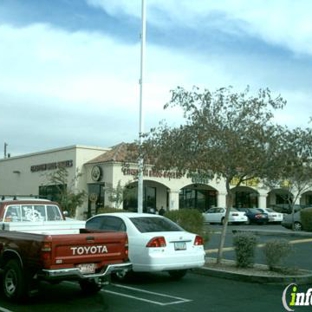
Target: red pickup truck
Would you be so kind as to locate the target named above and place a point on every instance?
(37, 243)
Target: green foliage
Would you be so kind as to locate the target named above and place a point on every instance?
(275, 251)
(190, 220)
(68, 196)
(244, 245)
(238, 127)
(306, 219)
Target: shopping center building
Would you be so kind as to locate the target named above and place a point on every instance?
(98, 170)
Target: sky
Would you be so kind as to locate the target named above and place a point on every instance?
(70, 69)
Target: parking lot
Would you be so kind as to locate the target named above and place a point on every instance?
(158, 292)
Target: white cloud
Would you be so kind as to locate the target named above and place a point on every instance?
(85, 85)
(286, 23)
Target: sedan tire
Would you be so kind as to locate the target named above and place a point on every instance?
(177, 274)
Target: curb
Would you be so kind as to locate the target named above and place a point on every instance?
(274, 232)
(302, 279)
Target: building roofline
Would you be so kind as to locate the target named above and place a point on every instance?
(49, 151)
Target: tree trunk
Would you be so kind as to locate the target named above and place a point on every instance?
(229, 201)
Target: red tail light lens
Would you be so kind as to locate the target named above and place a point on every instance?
(46, 251)
(198, 241)
(157, 242)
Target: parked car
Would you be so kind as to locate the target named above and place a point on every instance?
(155, 243)
(217, 215)
(292, 221)
(274, 217)
(255, 215)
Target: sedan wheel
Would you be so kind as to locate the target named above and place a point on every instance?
(122, 276)
(177, 274)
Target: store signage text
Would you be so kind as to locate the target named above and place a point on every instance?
(51, 166)
(154, 173)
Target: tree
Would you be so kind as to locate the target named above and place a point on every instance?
(294, 177)
(69, 197)
(226, 135)
(119, 193)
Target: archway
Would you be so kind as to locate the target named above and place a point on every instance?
(306, 199)
(279, 198)
(245, 197)
(155, 196)
(198, 196)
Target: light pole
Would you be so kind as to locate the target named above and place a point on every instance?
(141, 122)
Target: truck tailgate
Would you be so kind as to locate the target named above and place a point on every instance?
(97, 249)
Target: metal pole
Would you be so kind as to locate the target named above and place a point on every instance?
(5, 150)
(141, 129)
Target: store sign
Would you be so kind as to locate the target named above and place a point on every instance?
(200, 178)
(52, 166)
(154, 173)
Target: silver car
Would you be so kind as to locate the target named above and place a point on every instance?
(292, 221)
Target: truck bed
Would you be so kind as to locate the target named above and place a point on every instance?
(45, 227)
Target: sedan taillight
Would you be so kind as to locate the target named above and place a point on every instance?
(157, 242)
(198, 241)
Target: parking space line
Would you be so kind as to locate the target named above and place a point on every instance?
(138, 294)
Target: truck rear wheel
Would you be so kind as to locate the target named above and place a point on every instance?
(14, 281)
(90, 286)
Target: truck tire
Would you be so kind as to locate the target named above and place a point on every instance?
(89, 286)
(14, 281)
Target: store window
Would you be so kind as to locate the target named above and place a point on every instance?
(201, 199)
(95, 198)
(246, 200)
(149, 199)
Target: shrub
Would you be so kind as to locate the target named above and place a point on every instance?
(190, 220)
(244, 246)
(275, 251)
(306, 219)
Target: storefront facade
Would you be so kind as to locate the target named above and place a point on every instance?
(103, 169)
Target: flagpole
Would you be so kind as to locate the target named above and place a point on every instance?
(141, 115)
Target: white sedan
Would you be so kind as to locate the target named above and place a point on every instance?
(156, 243)
(274, 216)
(217, 215)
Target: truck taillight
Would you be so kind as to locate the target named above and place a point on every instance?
(157, 242)
(46, 249)
(127, 247)
(198, 241)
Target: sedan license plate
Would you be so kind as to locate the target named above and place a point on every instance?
(180, 246)
(87, 268)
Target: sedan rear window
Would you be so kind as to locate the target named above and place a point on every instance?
(152, 224)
